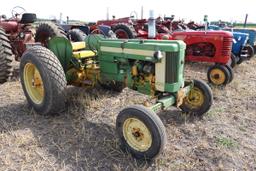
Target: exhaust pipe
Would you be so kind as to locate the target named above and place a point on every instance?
(151, 25)
(245, 21)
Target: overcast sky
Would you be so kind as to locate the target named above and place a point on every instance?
(88, 10)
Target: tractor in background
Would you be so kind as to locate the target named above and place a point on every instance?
(202, 46)
(250, 31)
(152, 67)
(241, 50)
(76, 31)
(251, 47)
(20, 32)
(15, 33)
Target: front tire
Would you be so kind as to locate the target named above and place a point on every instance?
(234, 60)
(218, 75)
(43, 80)
(141, 132)
(199, 99)
(231, 72)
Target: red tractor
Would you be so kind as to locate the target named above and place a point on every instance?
(15, 33)
(19, 32)
(211, 46)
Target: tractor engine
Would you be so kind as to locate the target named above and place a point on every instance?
(143, 75)
(201, 49)
(139, 65)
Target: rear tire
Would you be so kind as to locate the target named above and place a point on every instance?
(46, 31)
(141, 132)
(76, 35)
(199, 100)
(52, 80)
(6, 57)
(124, 31)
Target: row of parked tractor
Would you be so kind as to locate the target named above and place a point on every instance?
(224, 46)
(146, 55)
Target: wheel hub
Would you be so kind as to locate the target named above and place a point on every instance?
(33, 83)
(217, 76)
(137, 135)
(195, 98)
(121, 34)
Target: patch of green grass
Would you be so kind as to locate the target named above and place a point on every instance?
(226, 142)
(242, 129)
(214, 111)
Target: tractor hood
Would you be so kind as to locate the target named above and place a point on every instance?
(251, 32)
(181, 35)
(241, 37)
(9, 25)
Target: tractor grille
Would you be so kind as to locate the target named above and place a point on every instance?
(227, 46)
(171, 67)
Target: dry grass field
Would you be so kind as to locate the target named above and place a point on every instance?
(84, 138)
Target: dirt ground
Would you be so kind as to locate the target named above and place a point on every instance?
(83, 138)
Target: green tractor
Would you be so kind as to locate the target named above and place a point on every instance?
(152, 67)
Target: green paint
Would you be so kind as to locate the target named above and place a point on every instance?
(62, 48)
(117, 57)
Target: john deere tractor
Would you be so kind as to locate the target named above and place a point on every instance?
(151, 67)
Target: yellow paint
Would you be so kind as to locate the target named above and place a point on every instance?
(33, 83)
(137, 135)
(83, 54)
(134, 70)
(85, 77)
(195, 98)
(217, 76)
(78, 45)
(181, 95)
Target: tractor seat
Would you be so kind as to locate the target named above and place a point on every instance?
(28, 18)
(78, 46)
(83, 54)
(79, 52)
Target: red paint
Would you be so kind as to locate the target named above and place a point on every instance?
(221, 40)
(210, 46)
(13, 29)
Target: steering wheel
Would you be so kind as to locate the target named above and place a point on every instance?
(134, 16)
(159, 20)
(16, 11)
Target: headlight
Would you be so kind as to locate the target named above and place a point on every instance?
(158, 55)
(22, 35)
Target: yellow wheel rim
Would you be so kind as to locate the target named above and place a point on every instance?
(217, 76)
(33, 83)
(195, 98)
(137, 135)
